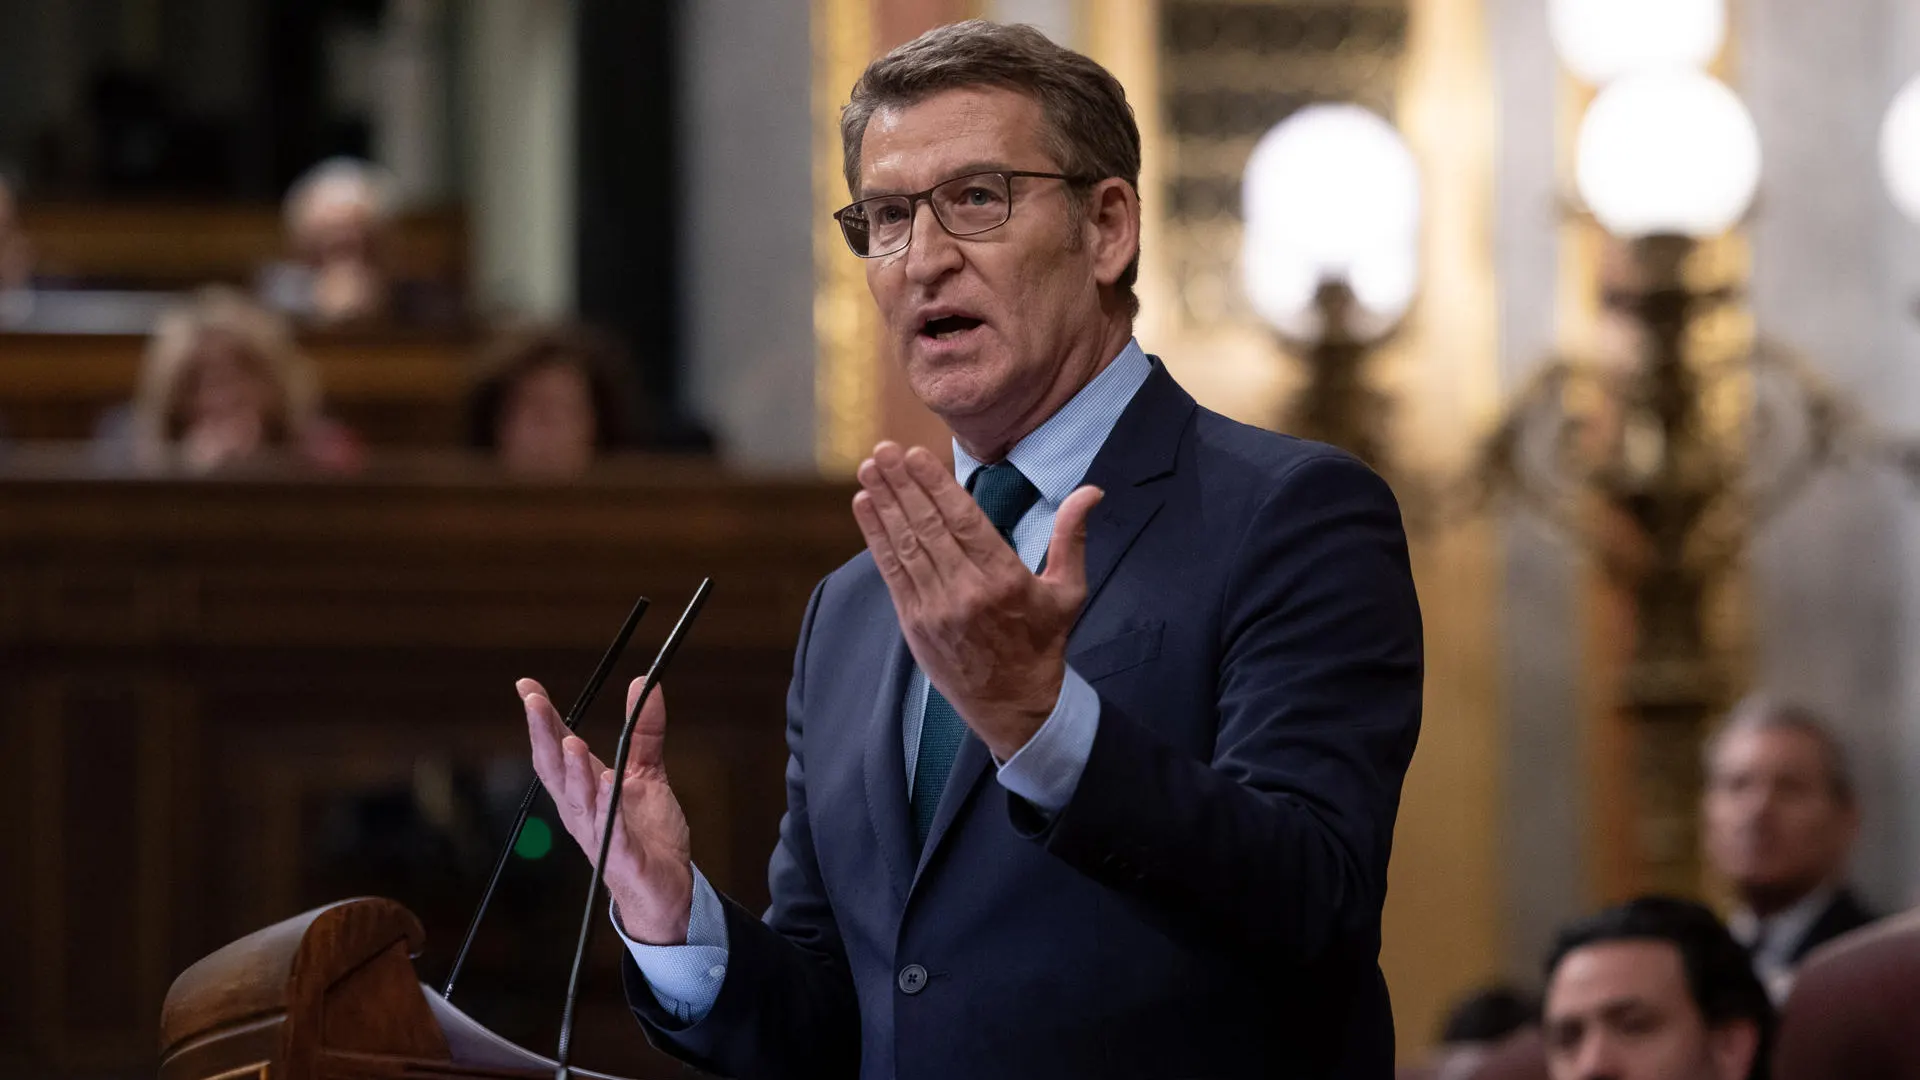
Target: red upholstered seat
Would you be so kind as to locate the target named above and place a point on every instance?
(1855, 1008)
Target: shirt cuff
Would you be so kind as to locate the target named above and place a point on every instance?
(1046, 771)
(686, 978)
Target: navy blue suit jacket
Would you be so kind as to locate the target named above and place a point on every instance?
(1208, 904)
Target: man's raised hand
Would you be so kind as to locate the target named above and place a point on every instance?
(649, 870)
(989, 635)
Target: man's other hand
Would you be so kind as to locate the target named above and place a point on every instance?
(649, 864)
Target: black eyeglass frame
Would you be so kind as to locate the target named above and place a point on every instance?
(1008, 176)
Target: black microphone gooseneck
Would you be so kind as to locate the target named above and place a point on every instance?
(574, 715)
(588, 918)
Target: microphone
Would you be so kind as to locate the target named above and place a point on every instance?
(574, 716)
(563, 1070)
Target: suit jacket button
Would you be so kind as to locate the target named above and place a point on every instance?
(913, 979)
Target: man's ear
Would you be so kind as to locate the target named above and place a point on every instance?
(1732, 1046)
(1112, 228)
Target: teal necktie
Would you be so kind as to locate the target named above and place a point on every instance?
(1006, 496)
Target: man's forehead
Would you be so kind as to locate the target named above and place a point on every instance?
(1773, 746)
(912, 146)
(1610, 973)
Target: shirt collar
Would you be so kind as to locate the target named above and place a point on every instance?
(1056, 455)
(1783, 932)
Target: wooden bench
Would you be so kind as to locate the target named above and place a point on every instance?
(171, 245)
(394, 388)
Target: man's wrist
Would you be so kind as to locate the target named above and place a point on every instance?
(1015, 724)
(668, 928)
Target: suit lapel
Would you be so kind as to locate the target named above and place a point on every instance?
(969, 769)
(1143, 448)
(886, 770)
(1117, 522)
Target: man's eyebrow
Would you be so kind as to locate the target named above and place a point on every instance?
(968, 169)
(1626, 1003)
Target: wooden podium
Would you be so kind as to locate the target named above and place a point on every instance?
(327, 995)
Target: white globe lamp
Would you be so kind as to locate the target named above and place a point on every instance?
(1667, 153)
(1602, 40)
(1330, 195)
(1900, 150)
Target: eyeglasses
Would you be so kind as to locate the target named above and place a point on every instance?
(964, 206)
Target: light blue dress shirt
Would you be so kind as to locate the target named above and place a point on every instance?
(1045, 772)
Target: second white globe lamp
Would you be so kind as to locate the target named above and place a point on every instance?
(1900, 150)
(1668, 152)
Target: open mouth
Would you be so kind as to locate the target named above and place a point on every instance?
(947, 326)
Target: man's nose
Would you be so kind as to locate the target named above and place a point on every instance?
(932, 252)
(1598, 1061)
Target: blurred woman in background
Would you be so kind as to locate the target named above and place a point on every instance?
(547, 401)
(223, 383)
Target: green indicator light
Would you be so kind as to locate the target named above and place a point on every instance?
(536, 840)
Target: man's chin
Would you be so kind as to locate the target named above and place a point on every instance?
(952, 387)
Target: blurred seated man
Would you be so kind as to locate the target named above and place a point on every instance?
(336, 218)
(1780, 821)
(222, 384)
(548, 401)
(339, 223)
(1654, 989)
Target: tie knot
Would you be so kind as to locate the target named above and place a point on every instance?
(1005, 494)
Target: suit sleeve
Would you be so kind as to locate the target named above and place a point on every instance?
(1279, 843)
(786, 1008)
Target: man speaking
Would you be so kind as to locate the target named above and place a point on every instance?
(1094, 754)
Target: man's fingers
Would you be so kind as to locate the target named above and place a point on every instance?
(1067, 551)
(907, 545)
(899, 583)
(965, 520)
(648, 750)
(923, 515)
(582, 783)
(545, 729)
(602, 803)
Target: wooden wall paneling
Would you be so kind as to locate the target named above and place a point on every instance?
(17, 850)
(184, 245)
(399, 388)
(248, 664)
(101, 828)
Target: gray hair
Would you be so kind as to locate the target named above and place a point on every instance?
(372, 182)
(1759, 712)
(1089, 127)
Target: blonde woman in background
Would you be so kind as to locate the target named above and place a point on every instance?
(224, 383)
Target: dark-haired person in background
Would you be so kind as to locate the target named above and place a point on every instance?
(1654, 989)
(1476, 1026)
(1780, 820)
(1095, 753)
(548, 401)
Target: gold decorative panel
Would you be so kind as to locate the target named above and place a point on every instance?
(847, 374)
(1231, 69)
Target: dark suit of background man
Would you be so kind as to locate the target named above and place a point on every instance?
(1095, 753)
(1781, 818)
